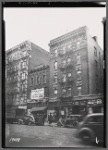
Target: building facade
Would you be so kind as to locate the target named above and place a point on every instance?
(76, 69)
(19, 61)
(38, 88)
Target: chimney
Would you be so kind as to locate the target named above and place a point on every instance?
(95, 38)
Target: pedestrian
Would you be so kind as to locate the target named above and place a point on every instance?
(50, 118)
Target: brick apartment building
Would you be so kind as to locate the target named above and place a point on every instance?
(38, 80)
(76, 70)
(19, 61)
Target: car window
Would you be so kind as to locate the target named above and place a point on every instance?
(98, 119)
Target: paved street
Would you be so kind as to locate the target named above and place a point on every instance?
(41, 136)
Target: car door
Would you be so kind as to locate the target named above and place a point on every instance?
(95, 123)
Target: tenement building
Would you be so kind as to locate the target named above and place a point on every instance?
(19, 61)
(76, 74)
(38, 89)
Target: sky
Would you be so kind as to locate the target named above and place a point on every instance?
(41, 25)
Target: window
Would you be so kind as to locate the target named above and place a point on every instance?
(78, 59)
(31, 81)
(79, 75)
(55, 78)
(55, 52)
(79, 90)
(23, 64)
(23, 75)
(63, 49)
(78, 68)
(96, 65)
(69, 74)
(95, 51)
(64, 77)
(44, 78)
(69, 91)
(55, 65)
(22, 87)
(63, 91)
(24, 53)
(63, 63)
(55, 92)
(68, 60)
(78, 44)
(38, 79)
(69, 46)
(24, 96)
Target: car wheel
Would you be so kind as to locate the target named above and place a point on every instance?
(86, 136)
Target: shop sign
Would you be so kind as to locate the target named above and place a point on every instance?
(32, 101)
(76, 103)
(82, 102)
(22, 107)
(98, 101)
(37, 94)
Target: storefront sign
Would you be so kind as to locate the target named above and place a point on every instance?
(22, 107)
(76, 103)
(83, 103)
(37, 94)
(32, 101)
(98, 101)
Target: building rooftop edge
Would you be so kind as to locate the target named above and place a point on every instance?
(67, 34)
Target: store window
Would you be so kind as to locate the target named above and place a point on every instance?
(55, 65)
(75, 110)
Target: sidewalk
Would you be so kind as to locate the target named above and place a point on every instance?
(52, 124)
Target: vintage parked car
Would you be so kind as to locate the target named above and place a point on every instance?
(72, 120)
(27, 120)
(91, 128)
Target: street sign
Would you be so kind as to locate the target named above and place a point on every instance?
(37, 94)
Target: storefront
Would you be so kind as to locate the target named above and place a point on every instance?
(82, 105)
(53, 110)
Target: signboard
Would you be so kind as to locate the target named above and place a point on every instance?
(37, 94)
(97, 101)
(22, 107)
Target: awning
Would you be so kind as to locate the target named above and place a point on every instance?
(38, 108)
